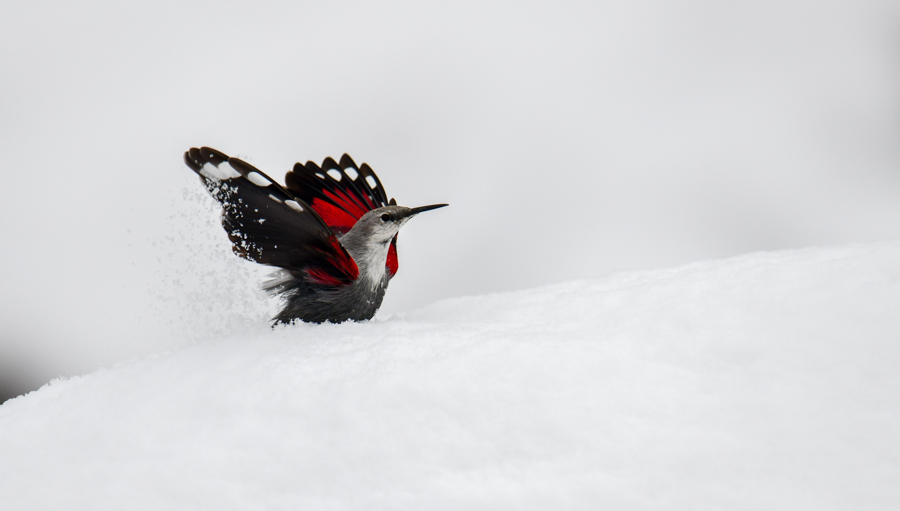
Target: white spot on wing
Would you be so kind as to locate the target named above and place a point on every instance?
(372, 183)
(226, 170)
(293, 205)
(351, 173)
(335, 174)
(274, 198)
(258, 179)
(221, 173)
(208, 170)
(321, 176)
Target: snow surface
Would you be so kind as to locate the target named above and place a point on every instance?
(572, 139)
(766, 381)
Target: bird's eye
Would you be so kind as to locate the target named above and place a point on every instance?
(385, 217)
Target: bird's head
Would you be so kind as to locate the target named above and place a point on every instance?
(381, 224)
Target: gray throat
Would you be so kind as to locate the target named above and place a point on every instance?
(370, 256)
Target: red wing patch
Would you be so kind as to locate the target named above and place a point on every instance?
(341, 260)
(341, 194)
(334, 217)
(355, 205)
(345, 187)
(392, 263)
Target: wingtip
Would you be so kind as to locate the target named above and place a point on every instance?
(195, 157)
(190, 161)
(347, 162)
(329, 164)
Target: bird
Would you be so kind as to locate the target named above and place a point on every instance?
(330, 232)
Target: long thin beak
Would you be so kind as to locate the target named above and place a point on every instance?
(416, 211)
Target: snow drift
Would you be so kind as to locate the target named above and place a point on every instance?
(758, 382)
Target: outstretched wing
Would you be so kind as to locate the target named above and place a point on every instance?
(269, 224)
(341, 193)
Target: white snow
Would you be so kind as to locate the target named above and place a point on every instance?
(766, 381)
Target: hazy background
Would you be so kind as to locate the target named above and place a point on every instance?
(572, 139)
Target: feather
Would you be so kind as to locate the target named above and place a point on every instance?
(268, 224)
(341, 193)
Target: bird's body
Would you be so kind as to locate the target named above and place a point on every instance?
(356, 301)
(330, 230)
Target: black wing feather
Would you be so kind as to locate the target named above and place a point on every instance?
(268, 224)
(353, 190)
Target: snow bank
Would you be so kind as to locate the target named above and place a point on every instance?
(759, 382)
